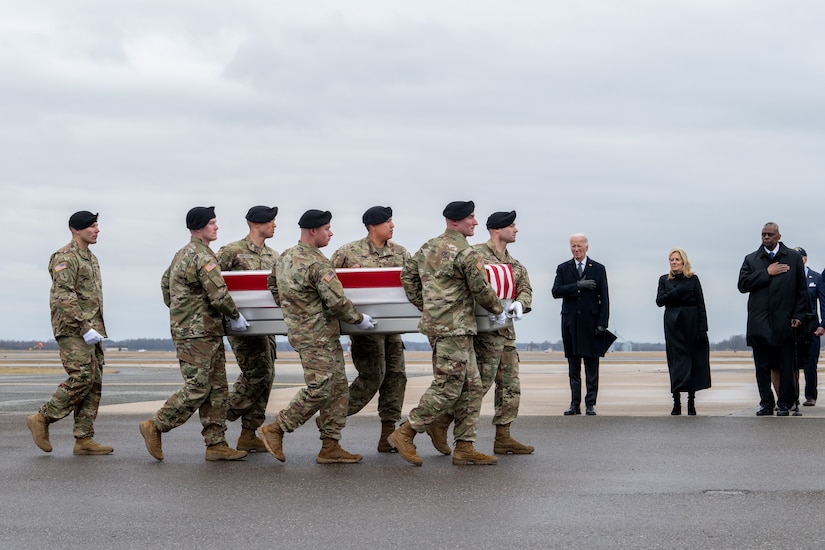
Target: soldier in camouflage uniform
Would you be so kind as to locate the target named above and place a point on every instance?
(76, 302)
(444, 280)
(255, 354)
(496, 350)
(305, 286)
(378, 358)
(198, 300)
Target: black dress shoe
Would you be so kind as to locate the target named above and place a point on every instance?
(783, 411)
(571, 411)
(590, 411)
(765, 411)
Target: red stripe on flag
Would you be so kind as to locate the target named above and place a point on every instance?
(360, 278)
(239, 280)
(387, 277)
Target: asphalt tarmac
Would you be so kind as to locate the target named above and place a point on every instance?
(631, 477)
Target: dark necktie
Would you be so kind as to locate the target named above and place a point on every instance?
(771, 254)
(581, 270)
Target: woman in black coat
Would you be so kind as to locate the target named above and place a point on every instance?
(686, 330)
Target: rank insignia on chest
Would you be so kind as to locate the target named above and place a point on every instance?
(60, 267)
(210, 266)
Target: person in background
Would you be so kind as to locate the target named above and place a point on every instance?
(809, 345)
(686, 331)
(581, 283)
(76, 303)
(255, 354)
(773, 276)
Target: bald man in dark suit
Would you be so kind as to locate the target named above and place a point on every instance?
(581, 283)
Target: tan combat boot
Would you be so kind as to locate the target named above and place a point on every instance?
(387, 427)
(273, 438)
(506, 445)
(88, 446)
(39, 427)
(250, 442)
(438, 431)
(402, 440)
(151, 435)
(222, 451)
(332, 453)
(465, 454)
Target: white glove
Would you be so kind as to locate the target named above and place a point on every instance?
(92, 337)
(516, 311)
(500, 318)
(240, 324)
(367, 323)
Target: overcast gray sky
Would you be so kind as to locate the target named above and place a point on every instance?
(645, 124)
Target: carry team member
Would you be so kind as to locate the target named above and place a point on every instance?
(255, 354)
(444, 280)
(198, 301)
(305, 286)
(378, 358)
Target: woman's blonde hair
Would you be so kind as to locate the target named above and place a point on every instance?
(687, 271)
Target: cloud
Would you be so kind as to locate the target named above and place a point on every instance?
(645, 124)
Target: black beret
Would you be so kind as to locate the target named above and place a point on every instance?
(82, 219)
(497, 220)
(199, 216)
(801, 251)
(376, 215)
(314, 218)
(458, 210)
(261, 214)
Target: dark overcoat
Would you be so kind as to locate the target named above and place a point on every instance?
(686, 332)
(773, 301)
(582, 310)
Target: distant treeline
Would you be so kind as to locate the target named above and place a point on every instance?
(734, 343)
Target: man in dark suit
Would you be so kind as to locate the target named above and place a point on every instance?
(581, 283)
(774, 277)
(808, 354)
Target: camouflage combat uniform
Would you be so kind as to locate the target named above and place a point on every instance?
(255, 354)
(76, 302)
(444, 279)
(197, 298)
(304, 284)
(378, 358)
(496, 350)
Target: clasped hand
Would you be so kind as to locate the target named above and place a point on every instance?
(586, 284)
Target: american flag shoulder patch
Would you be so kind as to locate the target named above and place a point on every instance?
(329, 276)
(210, 266)
(480, 266)
(60, 267)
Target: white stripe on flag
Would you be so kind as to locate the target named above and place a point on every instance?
(501, 279)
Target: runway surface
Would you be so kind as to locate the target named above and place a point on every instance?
(631, 477)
